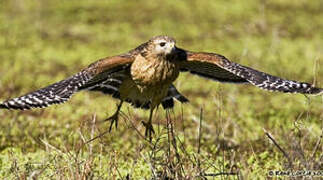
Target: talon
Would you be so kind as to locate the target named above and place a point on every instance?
(114, 120)
(149, 130)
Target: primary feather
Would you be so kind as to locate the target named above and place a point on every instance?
(54, 94)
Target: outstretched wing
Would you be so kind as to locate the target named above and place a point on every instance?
(111, 84)
(219, 68)
(62, 91)
(206, 65)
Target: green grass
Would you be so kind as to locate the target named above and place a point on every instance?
(42, 42)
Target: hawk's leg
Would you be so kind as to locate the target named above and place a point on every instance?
(115, 117)
(149, 127)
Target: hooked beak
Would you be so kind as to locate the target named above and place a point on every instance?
(173, 50)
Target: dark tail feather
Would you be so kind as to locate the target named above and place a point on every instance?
(181, 98)
(168, 101)
(172, 91)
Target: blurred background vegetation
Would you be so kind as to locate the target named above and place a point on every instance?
(42, 42)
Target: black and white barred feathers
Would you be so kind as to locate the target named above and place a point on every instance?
(219, 68)
(54, 94)
(269, 82)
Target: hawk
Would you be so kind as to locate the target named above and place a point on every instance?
(143, 77)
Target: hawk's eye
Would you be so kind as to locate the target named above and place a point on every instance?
(162, 44)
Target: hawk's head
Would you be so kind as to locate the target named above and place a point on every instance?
(161, 45)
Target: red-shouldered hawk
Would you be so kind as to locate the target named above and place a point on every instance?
(144, 76)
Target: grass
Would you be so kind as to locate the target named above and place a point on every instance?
(42, 42)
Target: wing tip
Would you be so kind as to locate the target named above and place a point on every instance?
(6, 105)
(3, 106)
(315, 91)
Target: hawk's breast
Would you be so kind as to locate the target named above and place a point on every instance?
(153, 76)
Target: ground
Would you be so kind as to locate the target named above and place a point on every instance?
(224, 132)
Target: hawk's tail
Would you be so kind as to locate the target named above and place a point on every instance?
(54, 94)
(168, 101)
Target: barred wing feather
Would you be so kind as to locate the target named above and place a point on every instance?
(219, 68)
(62, 91)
